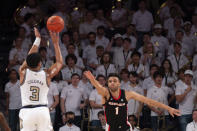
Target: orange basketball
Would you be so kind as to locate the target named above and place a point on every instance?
(55, 23)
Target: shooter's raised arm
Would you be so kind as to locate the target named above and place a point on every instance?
(34, 49)
(101, 90)
(55, 68)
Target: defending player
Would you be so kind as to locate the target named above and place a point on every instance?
(115, 102)
(34, 81)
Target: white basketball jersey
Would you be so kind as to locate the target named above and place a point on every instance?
(34, 89)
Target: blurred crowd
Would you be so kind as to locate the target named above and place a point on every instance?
(133, 38)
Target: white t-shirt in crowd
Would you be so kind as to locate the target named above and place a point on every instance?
(133, 40)
(67, 72)
(101, 70)
(97, 98)
(192, 126)
(143, 21)
(53, 91)
(14, 94)
(89, 52)
(104, 41)
(60, 85)
(133, 105)
(67, 128)
(178, 63)
(160, 95)
(123, 84)
(86, 86)
(73, 97)
(85, 28)
(187, 105)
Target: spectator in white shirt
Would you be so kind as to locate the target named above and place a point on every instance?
(192, 126)
(178, 59)
(106, 66)
(102, 21)
(71, 50)
(119, 15)
(71, 99)
(88, 26)
(169, 75)
(59, 82)
(100, 38)
(29, 21)
(150, 56)
(131, 34)
(177, 25)
(135, 64)
(53, 100)
(96, 102)
(194, 62)
(186, 97)
(121, 56)
(90, 50)
(95, 62)
(77, 42)
(124, 75)
(16, 54)
(146, 40)
(26, 41)
(159, 41)
(46, 62)
(115, 44)
(70, 126)
(85, 84)
(143, 20)
(13, 99)
(149, 82)
(194, 26)
(134, 107)
(188, 40)
(159, 93)
(71, 68)
(66, 40)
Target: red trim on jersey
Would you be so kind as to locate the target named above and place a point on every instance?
(106, 118)
(128, 121)
(118, 96)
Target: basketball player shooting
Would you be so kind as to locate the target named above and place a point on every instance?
(115, 102)
(34, 81)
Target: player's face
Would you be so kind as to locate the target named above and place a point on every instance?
(113, 83)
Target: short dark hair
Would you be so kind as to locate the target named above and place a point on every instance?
(99, 76)
(177, 43)
(91, 33)
(154, 65)
(99, 47)
(64, 33)
(127, 39)
(72, 56)
(100, 27)
(124, 70)
(33, 60)
(100, 112)
(156, 74)
(106, 53)
(133, 73)
(75, 74)
(113, 75)
(194, 110)
(136, 53)
(69, 113)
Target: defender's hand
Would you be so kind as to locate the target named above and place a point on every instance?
(89, 75)
(173, 112)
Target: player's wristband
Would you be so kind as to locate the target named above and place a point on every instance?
(37, 42)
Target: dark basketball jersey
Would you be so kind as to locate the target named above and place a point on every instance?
(116, 113)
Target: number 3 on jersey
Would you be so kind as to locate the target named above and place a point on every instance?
(35, 93)
(117, 110)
